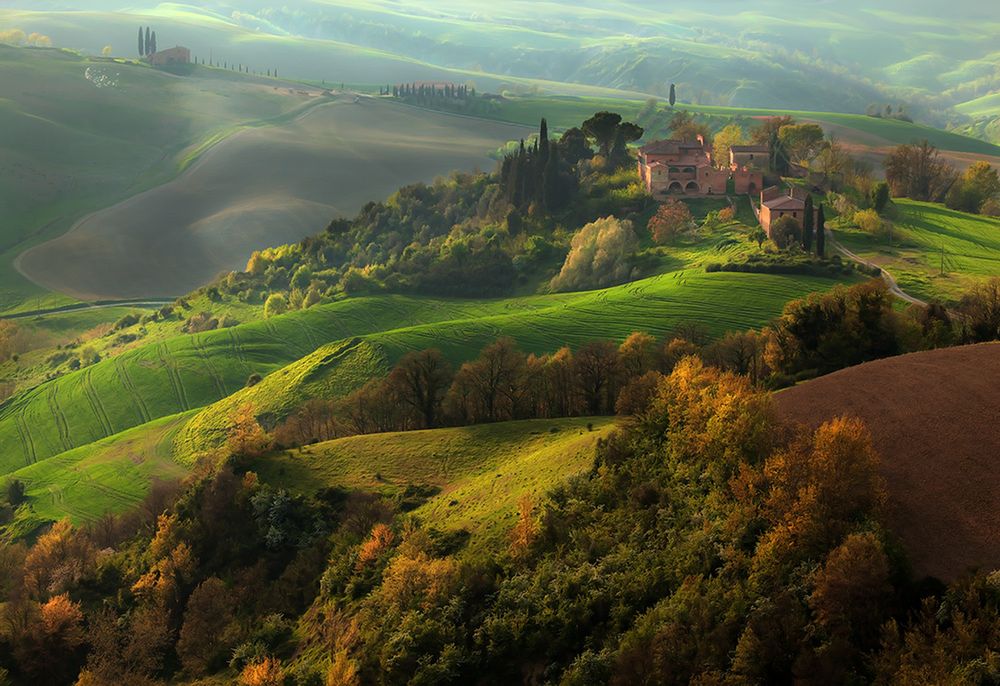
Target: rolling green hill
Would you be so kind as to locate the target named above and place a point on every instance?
(98, 132)
(872, 132)
(482, 471)
(110, 475)
(189, 372)
(937, 253)
(839, 56)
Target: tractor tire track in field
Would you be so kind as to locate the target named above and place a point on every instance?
(96, 405)
(25, 435)
(133, 391)
(239, 354)
(59, 417)
(220, 383)
(172, 375)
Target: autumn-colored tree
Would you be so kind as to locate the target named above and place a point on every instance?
(266, 672)
(639, 354)
(166, 579)
(525, 531)
(672, 218)
(379, 542)
(208, 632)
(49, 649)
(711, 418)
(246, 436)
(60, 559)
(343, 671)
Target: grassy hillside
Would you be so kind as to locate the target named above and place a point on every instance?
(188, 372)
(936, 253)
(110, 475)
(480, 472)
(831, 57)
(100, 131)
(260, 187)
(858, 129)
(719, 301)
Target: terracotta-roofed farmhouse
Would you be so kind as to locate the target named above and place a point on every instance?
(775, 203)
(750, 156)
(685, 167)
(177, 55)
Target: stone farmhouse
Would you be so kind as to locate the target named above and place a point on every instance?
(750, 156)
(169, 56)
(775, 203)
(670, 167)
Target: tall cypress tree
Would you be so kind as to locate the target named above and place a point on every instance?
(142, 44)
(807, 225)
(821, 233)
(152, 50)
(551, 187)
(147, 44)
(673, 94)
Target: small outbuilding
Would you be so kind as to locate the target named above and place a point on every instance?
(176, 55)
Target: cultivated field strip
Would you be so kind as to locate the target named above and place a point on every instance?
(194, 371)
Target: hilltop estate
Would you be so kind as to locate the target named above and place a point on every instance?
(672, 167)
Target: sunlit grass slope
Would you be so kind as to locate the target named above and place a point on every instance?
(936, 253)
(111, 475)
(482, 471)
(193, 371)
(719, 302)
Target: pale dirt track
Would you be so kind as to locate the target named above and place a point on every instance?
(259, 188)
(935, 419)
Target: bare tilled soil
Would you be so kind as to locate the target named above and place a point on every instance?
(935, 419)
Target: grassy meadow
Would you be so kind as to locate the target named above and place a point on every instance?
(936, 253)
(110, 475)
(98, 132)
(260, 187)
(193, 371)
(480, 472)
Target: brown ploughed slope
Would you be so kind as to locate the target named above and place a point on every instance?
(935, 419)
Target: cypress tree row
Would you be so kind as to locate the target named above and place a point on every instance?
(534, 174)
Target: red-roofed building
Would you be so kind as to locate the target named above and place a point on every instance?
(176, 55)
(670, 167)
(775, 203)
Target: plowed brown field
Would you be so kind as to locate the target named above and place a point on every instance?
(935, 419)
